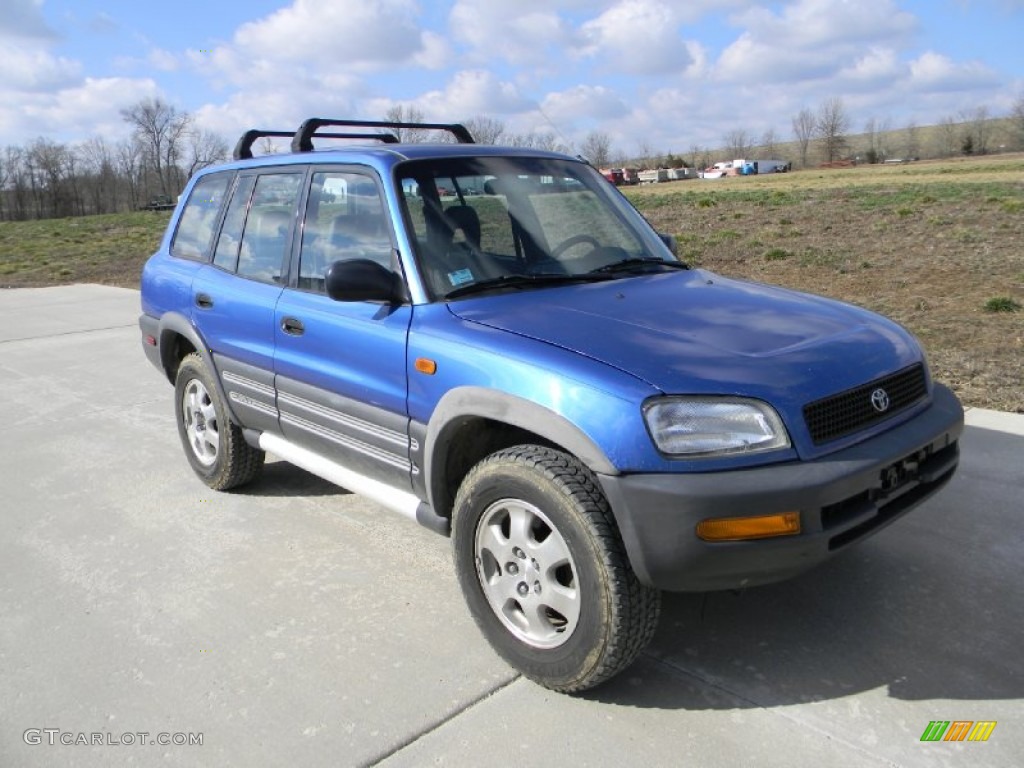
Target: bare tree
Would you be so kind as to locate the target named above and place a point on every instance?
(831, 126)
(871, 136)
(101, 179)
(128, 155)
(5, 175)
(911, 142)
(948, 130)
(1017, 116)
(597, 148)
(803, 130)
(738, 143)
(531, 140)
(700, 157)
(645, 154)
(485, 130)
(17, 182)
(267, 146)
(204, 148)
(47, 162)
(160, 129)
(976, 128)
(884, 137)
(769, 142)
(406, 113)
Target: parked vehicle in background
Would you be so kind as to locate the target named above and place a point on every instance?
(159, 203)
(752, 167)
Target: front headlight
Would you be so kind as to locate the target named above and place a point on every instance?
(714, 426)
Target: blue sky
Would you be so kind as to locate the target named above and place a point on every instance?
(663, 74)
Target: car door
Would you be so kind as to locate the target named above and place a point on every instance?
(341, 374)
(234, 297)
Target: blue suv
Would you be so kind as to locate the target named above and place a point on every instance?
(495, 343)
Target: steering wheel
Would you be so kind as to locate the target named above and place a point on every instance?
(565, 245)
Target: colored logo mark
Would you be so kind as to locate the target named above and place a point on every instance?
(958, 730)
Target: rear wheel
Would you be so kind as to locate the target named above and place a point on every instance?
(544, 571)
(213, 445)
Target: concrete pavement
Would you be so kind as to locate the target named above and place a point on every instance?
(293, 623)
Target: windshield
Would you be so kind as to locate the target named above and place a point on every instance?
(501, 222)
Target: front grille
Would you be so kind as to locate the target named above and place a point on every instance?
(852, 410)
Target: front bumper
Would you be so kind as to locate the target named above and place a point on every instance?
(841, 498)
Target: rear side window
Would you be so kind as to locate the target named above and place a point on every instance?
(226, 255)
(265, 240)
(199, 219)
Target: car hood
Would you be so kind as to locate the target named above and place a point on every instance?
(695, 332)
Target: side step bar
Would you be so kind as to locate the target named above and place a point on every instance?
(395, 499)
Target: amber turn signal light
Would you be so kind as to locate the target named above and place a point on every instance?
(425, 365)
(741, 528)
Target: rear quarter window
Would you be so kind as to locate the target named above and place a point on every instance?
(194, 234)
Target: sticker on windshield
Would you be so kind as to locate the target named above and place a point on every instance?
(460, 277)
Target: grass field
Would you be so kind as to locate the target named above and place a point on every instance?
(108, 249)
(937, 246)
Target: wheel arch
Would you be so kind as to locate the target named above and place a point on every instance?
(179, 338)
(470, 423)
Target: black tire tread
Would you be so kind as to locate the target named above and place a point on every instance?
(636, 607)
(241, 462)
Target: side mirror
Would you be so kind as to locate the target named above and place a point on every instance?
(363, 280)
(670, 241)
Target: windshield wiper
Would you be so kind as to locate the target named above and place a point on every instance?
(638, 261)
(519, 281)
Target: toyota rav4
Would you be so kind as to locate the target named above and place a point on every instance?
(493, 342)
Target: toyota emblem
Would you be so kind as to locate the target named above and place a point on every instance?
(880, 400)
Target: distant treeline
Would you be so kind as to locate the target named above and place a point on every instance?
(47, 179)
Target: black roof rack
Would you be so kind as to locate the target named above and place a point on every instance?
(302, 141)
(243, 149)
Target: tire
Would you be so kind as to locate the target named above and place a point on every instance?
(213, 444)
(544, 571)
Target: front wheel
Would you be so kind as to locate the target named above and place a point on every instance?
(544, 571)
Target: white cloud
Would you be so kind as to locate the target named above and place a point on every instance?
(817, 23)
(749, 60)
(274, 110)
(520, 33)
(91, 107)
(24, 19)
(876, 67)
(933, 72)
(638, 37)
(311, 58)
(434, 53)
(355, 35)
(583, 102)
(29, 67)
(811, 40)
(470, 93)
(46, 94)
(162, 60)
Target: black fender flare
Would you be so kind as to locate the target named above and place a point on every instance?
(463, 403)
(176, 323)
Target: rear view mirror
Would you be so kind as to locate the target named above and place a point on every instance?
(363, 280)
(670, 241)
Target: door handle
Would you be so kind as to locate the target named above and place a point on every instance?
(292, 326)
(203, 301)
